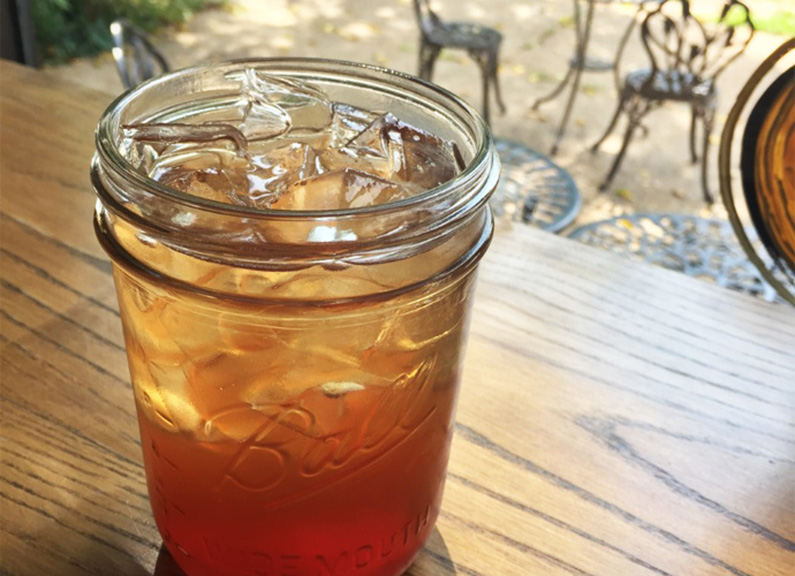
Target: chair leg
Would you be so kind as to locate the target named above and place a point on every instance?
(693, 119)
(485, 74)
(635, 114)
(583, 37)
(623, 44)
(707, 121)
(575, 86)
(613, 122)
(493, 67)
(428, 56)
(421, 64)
(557, 90)
(576, 64)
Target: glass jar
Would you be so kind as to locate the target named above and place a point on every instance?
(295, 372)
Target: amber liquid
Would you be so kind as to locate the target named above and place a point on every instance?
(295, 374)
(294, 441)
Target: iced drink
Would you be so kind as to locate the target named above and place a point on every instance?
(294, 323)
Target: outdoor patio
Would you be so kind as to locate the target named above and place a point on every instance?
(223, 389)
(538, 42)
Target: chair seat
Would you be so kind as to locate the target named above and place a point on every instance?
(480, 42)
(685, 55)
(464, 35)
(665, 85)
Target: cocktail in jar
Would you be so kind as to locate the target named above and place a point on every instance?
(294, 246)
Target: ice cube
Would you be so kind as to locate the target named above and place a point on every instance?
(348, 121)
(291, 104)
(223, 176)
(214, 174)
(189, 331)
(241, 331)
(148, 145)
(262, 120)
(374, 139)
(284, 145)
(222, 376)
(176, 133)
(347, 188)
(161, 390)
(271, 173)
(407, 153)
(175, 411)
(241, 422)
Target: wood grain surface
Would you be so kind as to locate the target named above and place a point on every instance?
(615, 419)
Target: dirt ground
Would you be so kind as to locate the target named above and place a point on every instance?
(538, 41)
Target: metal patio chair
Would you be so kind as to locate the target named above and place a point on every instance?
(582, 62)
(756, 256)
(136, 57)
(686, 57)
(481, 43)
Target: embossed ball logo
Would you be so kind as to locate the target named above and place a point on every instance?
(291, 456)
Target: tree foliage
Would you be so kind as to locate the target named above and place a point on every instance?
(67, 29)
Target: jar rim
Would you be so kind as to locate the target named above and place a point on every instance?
(110, 155)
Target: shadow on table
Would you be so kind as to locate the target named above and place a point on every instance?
(434, 560)
(166, 566)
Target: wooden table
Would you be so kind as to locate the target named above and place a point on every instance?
(615, 419)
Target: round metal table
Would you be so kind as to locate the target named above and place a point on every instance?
(700, 247)
(533, 189)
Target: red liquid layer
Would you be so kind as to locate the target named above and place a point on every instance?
(320, 486)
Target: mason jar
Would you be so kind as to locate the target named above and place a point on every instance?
(295, 372)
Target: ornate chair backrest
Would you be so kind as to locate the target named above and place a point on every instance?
(678, 43)
(136, 57)
(767, 169)
(427, 19)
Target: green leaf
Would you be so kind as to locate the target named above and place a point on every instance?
(67, 29)
(624, 194)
